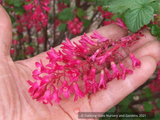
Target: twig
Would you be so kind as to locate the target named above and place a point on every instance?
(45, 37)
(54, 29)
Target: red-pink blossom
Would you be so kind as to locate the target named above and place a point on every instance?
(121, 23)
(124, 70)
(116, 72)
(135, 61)
(102, 82)
(78, 92)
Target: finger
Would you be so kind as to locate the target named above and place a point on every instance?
(117, 90)
(5, 32)
(151, 49)
(142, 41)
(113, 32)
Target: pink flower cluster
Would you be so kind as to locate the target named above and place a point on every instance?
(36, 14)
(75, 26)
(73, 69)
(154, 86)
(61, 6)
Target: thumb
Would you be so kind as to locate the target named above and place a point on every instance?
(5, 33)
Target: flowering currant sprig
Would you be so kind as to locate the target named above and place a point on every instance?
(36, 12)
(75, 26)
(76, 63)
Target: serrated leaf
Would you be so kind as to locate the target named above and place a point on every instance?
(66, 14)
(142, 2)
(115, 16)
(62, 27)
(86, 23)
(155, 29)
(155, 6)
(120, 6)
(147, 106)
(80, 13)
(103, 2)
(65, 1)
(137, 18)
(158, 104)
(17, 3)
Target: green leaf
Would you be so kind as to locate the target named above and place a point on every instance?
(120, 6)
(158, 103)
(155, 6)
(148, 92)
(115, 16)
(10, 2)
(157, 116)
(147, 106)
(66, 14)
(142, 2)
(137, 18)
(90, 0)
(125, 102)
(80, 13)
(86, 23)
(103, 2)
(12, 18)
(17, 3)
(155, 29)
(62, 27)
(65, 1)
(113, 109)
(19, 10)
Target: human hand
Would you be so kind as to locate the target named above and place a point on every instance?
(16, 103)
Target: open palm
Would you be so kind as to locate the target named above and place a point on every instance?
(16, 103)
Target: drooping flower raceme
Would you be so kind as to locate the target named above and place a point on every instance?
(77, 63)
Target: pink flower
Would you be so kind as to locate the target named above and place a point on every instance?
(57, 22)
(101, 59)
(61, 6)
(116, 72)
(30, 50)
(135, 61)
(28, 7)
(121, 23)
(53, 56)
(47, 9)
(75, 26)
(86, 40)
(33, 87)
(96, 35)
(12, 51)
(93, 57)
(102, 82)
(67, 45)
(124, 70)
(108, 75)
(108, 22)
(40, 40)
(65, 89)
(78, 92)
(46, 98)
(55, 96)
(73, 74)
